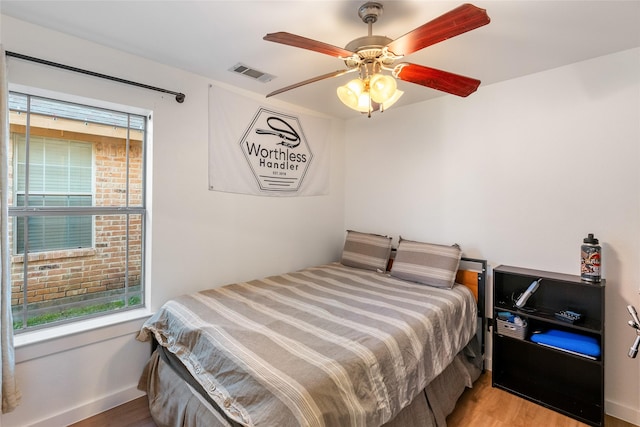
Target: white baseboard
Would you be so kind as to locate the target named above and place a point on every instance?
(488, 364)
(90, 409)
(622, 412)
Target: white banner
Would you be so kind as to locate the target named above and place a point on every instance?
(257, 149)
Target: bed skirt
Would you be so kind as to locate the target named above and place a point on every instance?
(175, 399)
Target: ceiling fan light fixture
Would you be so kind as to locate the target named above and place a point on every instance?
(350, 93)
(364, 103)
(394, 98)
(366, 95)
(382, 88)
(360, 102)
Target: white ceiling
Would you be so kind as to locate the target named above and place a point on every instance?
(209, 37)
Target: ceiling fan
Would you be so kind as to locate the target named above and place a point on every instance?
(372, 54)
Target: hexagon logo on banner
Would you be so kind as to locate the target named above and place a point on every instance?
(277, 151)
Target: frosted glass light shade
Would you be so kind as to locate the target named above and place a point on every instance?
(394, 98)
(379, 92)
(350, 93)
(382, 88)
(364, 103)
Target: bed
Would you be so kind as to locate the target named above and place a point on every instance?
(360, 342)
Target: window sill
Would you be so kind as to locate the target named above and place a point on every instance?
(41, 343)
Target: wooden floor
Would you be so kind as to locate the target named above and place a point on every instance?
(485, 406)
(481, 406)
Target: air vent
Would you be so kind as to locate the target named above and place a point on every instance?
(252, 73)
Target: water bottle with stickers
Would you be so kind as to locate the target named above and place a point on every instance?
(590, 259)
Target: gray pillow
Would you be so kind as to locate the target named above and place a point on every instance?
(426, 263)
(365, 250)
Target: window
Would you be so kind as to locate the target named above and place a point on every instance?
(60, 175)
(76, 210)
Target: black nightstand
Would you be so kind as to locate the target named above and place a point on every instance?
(571, 384)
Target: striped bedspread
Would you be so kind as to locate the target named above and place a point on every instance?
(324, 346)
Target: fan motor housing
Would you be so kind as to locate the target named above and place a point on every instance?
(367, 47)
(369, 12)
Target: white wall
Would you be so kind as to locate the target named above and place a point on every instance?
(199, 238)
(518, 173)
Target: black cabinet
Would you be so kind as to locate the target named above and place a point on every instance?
(571, 383)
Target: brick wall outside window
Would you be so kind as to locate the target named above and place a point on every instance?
(74, 275)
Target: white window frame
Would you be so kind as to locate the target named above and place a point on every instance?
(50, 340)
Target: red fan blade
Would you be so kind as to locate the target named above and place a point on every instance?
(309, 44)
(436, 79)
(455, 22)
(313, 80)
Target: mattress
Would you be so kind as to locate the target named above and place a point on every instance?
(177, 400)
(325, 346)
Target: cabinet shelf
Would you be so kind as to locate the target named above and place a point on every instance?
(571, 384)
(548, 315)
(525, 342)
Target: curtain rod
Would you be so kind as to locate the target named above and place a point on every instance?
(179, 96)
